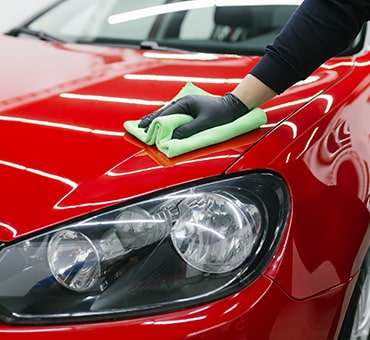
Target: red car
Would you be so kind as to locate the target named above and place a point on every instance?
(263, 236)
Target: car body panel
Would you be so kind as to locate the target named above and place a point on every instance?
(66, 155)
(328, 156)
(80, 109)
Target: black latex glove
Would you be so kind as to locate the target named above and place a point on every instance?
(207, 111)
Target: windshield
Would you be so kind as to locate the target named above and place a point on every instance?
(242, 27)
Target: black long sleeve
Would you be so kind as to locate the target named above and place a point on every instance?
(317, 31)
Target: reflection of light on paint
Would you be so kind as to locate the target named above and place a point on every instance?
(63, 180)
(113, 172)
(346, 63)
(230, 309)
(112, 99)
(32, 331)
(291, 125)
(184, 56)
(290, 103)
(40, 173)
(329, 101)
(60, 126)
(153, 77)
(177, 321)
(125, 173)
(308, 142)
(73, 185)
(288, 157)
(308, 80)
(10, 228)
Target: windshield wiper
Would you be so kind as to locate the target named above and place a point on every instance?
(38, 34)
(153, 45)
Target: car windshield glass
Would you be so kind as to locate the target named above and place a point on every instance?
(243, 27)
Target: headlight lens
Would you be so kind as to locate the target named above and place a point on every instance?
(215, 233)
(165, 253)
(73, 259)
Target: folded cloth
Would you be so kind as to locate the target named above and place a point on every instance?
(161, 129)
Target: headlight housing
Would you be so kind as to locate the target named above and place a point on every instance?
(163, 253)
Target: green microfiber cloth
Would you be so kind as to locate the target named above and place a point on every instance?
(161, 128)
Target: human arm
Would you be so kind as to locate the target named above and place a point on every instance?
(318, 30)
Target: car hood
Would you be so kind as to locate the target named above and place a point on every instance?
(64, 150)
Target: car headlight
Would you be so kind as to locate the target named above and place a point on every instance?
(163, 253)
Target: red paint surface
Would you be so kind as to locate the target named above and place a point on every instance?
(65, 153)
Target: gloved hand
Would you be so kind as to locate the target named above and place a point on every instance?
(207, 111)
